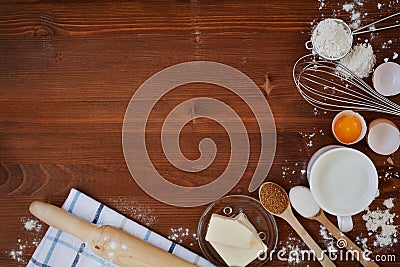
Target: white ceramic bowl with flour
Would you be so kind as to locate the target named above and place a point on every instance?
(343, 181)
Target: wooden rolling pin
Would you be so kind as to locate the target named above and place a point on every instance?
(108, 242)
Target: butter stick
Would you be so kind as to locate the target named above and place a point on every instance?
(228, 231)
(235, 254)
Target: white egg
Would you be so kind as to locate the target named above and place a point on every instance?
(383, 137)
(386, 79)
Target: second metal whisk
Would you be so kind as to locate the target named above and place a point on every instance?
(329, 85)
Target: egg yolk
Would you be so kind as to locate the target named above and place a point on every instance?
(347, 129)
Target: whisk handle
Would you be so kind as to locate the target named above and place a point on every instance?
(308, 45)
(377, 29)
(361, 30)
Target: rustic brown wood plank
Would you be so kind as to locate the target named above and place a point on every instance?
(68, 71)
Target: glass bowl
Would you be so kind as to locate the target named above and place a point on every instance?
(231, 206)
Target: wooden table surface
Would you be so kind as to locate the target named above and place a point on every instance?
(68, 71)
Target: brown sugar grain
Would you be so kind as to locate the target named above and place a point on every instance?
(274, 198)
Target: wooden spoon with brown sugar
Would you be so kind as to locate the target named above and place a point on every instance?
(276, 201)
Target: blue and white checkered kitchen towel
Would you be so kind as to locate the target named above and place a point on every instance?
(59, 249)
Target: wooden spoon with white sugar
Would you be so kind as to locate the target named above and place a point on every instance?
(304, 203)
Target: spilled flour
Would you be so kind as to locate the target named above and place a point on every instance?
(389, 203)
(310, 136)
(360, 60)
(328, 239)
(362, 241)
(316, 112)
(33, 228)
(291, 250)
(135, 210)
(380, 223)
(17, 254)
(294, 173)
(389, 173)
(181, 234)
(31, 224)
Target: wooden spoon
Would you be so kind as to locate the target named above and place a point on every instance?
(276, 201)
(307, 205)
(108, 242)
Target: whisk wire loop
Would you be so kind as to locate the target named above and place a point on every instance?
(329, 85)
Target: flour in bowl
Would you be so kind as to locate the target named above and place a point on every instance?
(331, 39)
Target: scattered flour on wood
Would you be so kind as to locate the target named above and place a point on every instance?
(309, 136)
(135, 210)
(181, 234)
(31, 224)
(317, 112)
(363, 241)
(356, 15)
(292, 250)
(389, 173)
(387, 44)
(324, 233)
(17, 254)
(32, 227)
(284, 171)
(328, 239)
(294, 173)
(348, 7)
(381, 224)
(389, 203)
(322, 4)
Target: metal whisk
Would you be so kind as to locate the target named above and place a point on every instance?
(331, 86)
